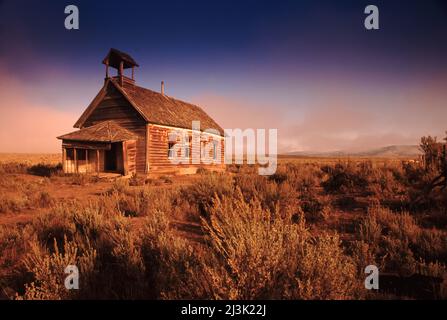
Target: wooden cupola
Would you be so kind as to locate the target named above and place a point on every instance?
(120, 61)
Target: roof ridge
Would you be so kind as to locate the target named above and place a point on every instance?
(166, 96)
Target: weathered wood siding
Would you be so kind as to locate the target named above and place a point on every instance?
(159, 162)
(129, 152)
(115, 107)
(84, 166)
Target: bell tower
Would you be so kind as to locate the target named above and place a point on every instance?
(120, 61)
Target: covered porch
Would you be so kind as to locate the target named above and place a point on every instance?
(103, 148)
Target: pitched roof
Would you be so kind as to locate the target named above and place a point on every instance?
(157, 108)
(106, 131)
(114, 57)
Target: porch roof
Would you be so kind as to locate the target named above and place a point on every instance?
(106, 131)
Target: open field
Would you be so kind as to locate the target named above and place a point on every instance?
(31, 158)
(334, 160)
(307, 232)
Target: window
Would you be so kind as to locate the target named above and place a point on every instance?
(188, 148)
(171, 149)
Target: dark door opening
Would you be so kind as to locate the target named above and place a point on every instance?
(113, 158)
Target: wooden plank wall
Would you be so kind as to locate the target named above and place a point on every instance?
(120, 158)
(158, 152)
(115, 107)
(131, 150)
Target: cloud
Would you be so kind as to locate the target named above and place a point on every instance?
(27, 126)
(341, 118)
(235, 112)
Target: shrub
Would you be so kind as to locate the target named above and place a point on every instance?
(265, 258)
(431, 245)
(202, 170)
(13, 203)
(137, 180)
(119, 185)
(44, 199)
(106, 251)
(272, 195)
(326, 272)
(399, 242)
(141, 202)
(82, 179)
(363, 254)
(45, 170)
(370, 230)
(48, 271)
(13, 167)
(14, 245)
(251, 238)
(121, 271)
(201, 192)
(174, 269)
(345, 177)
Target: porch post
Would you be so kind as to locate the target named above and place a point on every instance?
(87, 168)
(125, 164)
(97, 161)
(75, 159)
(107, 70)
(121, 71)
(64, 159)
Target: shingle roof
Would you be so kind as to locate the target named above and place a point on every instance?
(162, 109)
(106, 131)
(156, 108)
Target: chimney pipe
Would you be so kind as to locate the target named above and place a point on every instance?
(121, 72)
(163, 88)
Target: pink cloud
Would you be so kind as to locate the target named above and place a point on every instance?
(340, 118)
(26, 126)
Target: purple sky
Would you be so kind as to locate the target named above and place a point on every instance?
(307, 68)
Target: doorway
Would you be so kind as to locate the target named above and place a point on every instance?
(114, 158)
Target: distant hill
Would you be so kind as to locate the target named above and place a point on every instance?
(395, 151)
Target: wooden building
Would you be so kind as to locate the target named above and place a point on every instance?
(129, 129)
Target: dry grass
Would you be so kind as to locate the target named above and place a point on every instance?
(306, 232)
(30, 158)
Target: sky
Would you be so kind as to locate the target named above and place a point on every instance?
(307, 68)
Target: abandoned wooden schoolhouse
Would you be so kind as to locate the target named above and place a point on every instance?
(128, 129)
